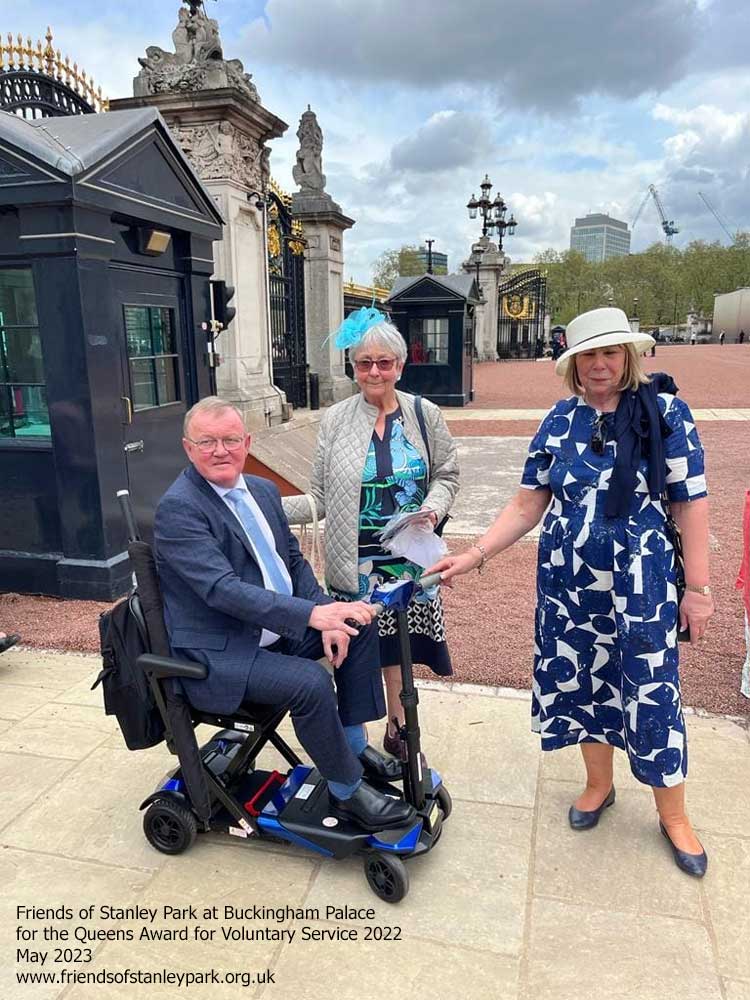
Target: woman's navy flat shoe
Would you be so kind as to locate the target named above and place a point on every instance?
(581, 819)
(693, 864)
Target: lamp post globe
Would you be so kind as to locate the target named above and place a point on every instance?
(492, 213)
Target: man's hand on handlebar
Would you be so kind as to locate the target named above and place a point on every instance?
(452, 566)
(339, 616)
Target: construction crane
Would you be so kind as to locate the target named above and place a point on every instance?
(722, 223)
(642, 205)
(667, 225)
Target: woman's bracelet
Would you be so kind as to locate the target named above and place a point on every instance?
(483, 553)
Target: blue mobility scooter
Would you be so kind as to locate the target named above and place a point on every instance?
(220, 787)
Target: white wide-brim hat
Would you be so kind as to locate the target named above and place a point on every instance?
(600, 328)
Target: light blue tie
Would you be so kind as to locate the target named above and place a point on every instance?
(267, 555)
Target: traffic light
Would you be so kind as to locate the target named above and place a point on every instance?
(222, 295)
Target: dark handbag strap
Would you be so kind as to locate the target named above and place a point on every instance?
(675, 536)
(423, 428)
(440, 528)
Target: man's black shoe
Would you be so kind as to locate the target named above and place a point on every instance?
(372, 810)
(378, 766)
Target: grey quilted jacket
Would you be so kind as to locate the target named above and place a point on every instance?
(336, 479)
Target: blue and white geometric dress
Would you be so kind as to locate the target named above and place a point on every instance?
(605, 656)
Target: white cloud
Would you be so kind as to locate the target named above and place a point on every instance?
(448, 139)
(711, 154)
(709, 121)
(417, 101)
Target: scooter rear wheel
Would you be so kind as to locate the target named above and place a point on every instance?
(169, 827)
(387, 876)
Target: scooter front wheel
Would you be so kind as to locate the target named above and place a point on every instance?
(169, 826)
(387, 876)
(444, 801)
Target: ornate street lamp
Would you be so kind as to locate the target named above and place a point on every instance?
(492, 213)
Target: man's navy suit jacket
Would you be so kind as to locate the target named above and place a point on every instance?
(215, 602)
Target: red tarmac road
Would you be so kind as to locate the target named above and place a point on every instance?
(708, 376)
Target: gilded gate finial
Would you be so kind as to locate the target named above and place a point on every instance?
(45, 60)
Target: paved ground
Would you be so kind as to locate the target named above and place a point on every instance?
(511, 904)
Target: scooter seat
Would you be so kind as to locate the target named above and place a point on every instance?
(249, 712)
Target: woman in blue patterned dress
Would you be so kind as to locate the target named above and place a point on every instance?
(606, 654)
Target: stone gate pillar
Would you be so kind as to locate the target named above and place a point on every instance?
(324, 224)
(214, 111)
(487, 265)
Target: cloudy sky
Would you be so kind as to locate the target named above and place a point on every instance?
(571, 106)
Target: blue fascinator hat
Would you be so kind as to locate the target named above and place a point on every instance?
(356, 325)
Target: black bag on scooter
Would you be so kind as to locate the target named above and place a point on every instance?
(127, 694)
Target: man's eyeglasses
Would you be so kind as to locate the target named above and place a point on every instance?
(597, 438)
(384, 364)
(207, 446)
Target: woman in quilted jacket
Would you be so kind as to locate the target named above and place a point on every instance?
(376, 455)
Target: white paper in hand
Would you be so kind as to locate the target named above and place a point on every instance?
(398, 521)
(417, 542)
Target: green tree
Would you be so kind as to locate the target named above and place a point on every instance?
(409, 262)
(666, 282)
(392, 264)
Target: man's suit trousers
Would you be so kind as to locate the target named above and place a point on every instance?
(287, 674)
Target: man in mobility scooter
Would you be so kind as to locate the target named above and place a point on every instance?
(240, 598)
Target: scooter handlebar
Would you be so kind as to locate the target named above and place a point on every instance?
(127, 512)
(400, 594)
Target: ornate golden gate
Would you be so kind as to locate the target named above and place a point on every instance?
(36, 82)
(286, 276)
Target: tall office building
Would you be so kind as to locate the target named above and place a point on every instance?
(599, 237)
(439, 260)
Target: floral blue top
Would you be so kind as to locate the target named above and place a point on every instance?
(394, 479)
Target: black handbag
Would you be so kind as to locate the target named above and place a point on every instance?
(439, 528)
(127, 693)
(675, 537)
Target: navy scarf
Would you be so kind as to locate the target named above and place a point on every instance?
(639, 431)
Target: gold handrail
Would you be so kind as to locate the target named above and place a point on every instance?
(47, 61)
(365, 291)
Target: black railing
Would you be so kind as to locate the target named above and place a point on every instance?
(33, 95)
(287, 295)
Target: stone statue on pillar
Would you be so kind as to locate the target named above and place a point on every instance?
(196, 64)
(308, 171)
(324, 225)
(213, 109)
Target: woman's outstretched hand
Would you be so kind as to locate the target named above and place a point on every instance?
(695, 611)
(455, 565)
